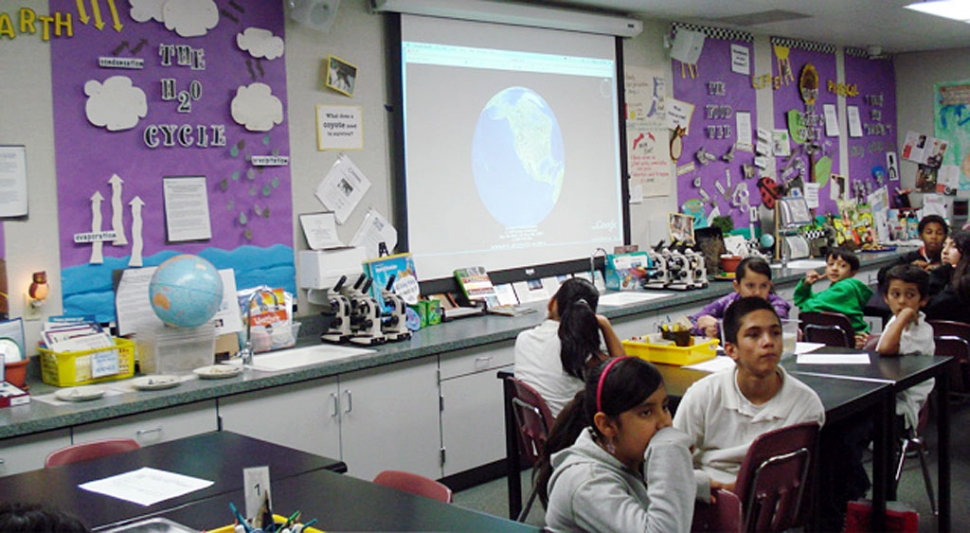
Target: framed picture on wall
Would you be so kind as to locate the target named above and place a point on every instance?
(681, 228)
(341, 76)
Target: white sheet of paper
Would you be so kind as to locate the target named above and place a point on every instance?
(228, 317)
(374, 230)
(187, 209)
(720, 362)
(13, 181)
(831, 120)
(740, 59)
(678, 114)
(742, 120)
(133, 308)
(320, 230)
(833, 359)
(855, 122)
(807, 347)
(146, 486)
(630, 297)
(811, 194)
(343, 188)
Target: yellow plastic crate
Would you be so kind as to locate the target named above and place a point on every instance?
(68, 369)
(276, 518)
(702, 350)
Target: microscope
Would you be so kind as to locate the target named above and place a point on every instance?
(678, 270)
(657, 275)
(696, 269)
(339, 329)
(365, 319)
(393, 325)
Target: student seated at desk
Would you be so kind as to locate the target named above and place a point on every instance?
(752, 278)
(933, 230)
(953, 302)
(35, 518)
(554, 356)
(907, 332)
(627, 468)
(845, 295)
(725, 411)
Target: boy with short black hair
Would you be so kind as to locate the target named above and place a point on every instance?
(905, 291)
(845, 295)
(725, 411)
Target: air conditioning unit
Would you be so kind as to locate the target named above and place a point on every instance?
(514, 14)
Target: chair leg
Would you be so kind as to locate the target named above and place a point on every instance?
(927, 480)
(902, 460)
(532, 498)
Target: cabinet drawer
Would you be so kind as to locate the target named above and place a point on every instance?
(479, 359)
(21, 454)
(154, 427)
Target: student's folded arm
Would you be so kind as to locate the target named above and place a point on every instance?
(803, 292)
(670, 481)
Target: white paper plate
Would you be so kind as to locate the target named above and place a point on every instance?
(79, 394)
(156, 382)
(218, 371)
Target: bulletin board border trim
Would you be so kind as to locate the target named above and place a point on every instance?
(800, 44)
(712, 32)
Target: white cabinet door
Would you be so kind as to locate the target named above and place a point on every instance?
(304, 416)
(20, 454)
(472, 421)
(389, 419)
(153, 427)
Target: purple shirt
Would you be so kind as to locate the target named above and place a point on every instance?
(717, 307)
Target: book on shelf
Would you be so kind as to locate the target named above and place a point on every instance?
(400, 268)
(476, 286)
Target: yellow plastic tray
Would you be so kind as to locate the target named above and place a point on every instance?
(702, 350)
(74, 368)
(276, 518)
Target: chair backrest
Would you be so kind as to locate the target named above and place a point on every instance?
(950, 327)
(415, 484)
(723, 515)
(532, 417)
(958, 347)
(774, 473)
(831, 329)
(89, 450)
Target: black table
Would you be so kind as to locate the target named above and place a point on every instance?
(899, 373)
(217, 456)
(344, 503)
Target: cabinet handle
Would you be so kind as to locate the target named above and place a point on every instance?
(334, 405)
(140, 432)
(350, 401)
(483, 361)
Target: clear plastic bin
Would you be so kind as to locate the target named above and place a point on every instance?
(173, 350)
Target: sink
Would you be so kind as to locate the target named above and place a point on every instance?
(306, 356)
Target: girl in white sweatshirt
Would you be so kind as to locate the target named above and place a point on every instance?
(627, 469)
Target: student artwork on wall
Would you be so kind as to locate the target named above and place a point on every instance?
(159, 89)
(870, 87)
(801, 71)
(950, 102)
(716, 166)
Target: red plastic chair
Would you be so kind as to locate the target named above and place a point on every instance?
(723, 515)
(415, 484)
(830, 329)
(774, 473)
(534, 420)
(86, 451)
(953, 339)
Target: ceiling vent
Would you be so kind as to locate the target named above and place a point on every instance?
(763, 17)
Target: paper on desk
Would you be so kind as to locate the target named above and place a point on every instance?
(146, 486)
(626, 298)
(720, 362)
(833, 359)
(807, 347)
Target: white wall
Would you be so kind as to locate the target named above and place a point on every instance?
(916, 75)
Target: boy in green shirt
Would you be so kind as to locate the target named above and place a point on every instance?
(846, 295)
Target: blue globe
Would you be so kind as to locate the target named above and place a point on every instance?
(185, 291)
(517, 157)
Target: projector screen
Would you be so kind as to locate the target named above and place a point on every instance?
(511, 145)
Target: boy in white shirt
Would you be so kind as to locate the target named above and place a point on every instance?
(905, 291)
(725, 411)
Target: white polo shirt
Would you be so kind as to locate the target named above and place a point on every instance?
(538, 363)
(722, 423)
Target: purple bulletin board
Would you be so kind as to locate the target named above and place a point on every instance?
(711, 150)
(874, 81)
(788, 97)
(171, 82)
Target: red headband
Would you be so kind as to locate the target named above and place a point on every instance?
(599, 386)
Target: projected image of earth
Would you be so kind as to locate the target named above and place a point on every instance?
(517, 157)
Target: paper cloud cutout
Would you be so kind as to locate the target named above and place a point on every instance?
(260, 43)
(256, 109)
(115, 104)
(145, 10)
(190, 18)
